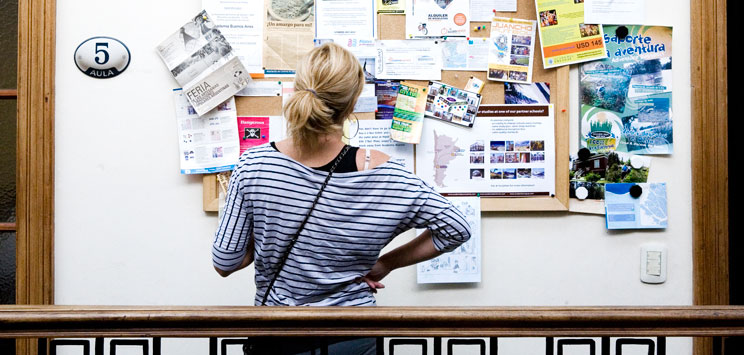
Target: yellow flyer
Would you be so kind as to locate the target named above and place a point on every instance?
(391, 6)
(408, 117)
(564, 37)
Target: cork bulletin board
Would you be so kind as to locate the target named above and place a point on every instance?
(392, 26)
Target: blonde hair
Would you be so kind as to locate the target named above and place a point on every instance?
(328, 82)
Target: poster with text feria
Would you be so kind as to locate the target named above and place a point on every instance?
(626, 99)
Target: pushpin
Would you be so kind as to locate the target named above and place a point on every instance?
(564, 110)
(621, 32)
(445, 38)
(467, 38)
(584, 154)
(636, 191)
(477, 28)
(494, 11)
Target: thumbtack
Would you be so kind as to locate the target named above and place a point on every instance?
(494, 11)
(564, 110)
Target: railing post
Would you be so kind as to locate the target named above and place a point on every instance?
(42, 346)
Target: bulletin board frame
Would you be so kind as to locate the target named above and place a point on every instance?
(392, 27)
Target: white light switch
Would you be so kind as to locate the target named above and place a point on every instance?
(653, 263)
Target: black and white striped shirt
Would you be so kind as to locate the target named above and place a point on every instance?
(357, 215)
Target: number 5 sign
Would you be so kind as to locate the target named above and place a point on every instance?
(102, 57)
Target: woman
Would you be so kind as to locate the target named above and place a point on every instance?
(368, 200)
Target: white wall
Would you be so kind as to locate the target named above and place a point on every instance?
(130, 229)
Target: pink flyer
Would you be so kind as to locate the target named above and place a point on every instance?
(253, 131)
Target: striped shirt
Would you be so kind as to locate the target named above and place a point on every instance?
(357, 215)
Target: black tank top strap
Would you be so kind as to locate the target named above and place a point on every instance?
(346, 165)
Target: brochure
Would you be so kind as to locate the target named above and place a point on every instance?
(511, 50)
(451, 104)
(203, 63)
(465, 54)
(636, 206)
(437, 18)
(408, 116)
(564, 37)
(208, 143)
(288, 34)
(510, 151)
(391, 6)
(409, 60)
(241, 22)
(387, 95)
(626, 100)
(345, 19)
(464, 263)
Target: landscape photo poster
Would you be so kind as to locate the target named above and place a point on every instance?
(626, 99)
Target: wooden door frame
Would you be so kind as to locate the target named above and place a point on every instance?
(35, 157)
(35, 168)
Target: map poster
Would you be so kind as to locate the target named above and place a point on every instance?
(408, 116)
(511, 50)
(636, 206)
(564, 36)
(510, 151)
(462, 265)
(626, 100)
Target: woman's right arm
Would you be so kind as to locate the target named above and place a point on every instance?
(232, 249)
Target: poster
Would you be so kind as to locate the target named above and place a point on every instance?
(626, 100)
(510, 151)
(534, 93)
(644, 208)
(564, 36)
(462, 265)
(408, 60)
(253, 131)
(375, 134)
(437, 18)
(345, 19)
(207, 143)
(614, 12)
(241, 22)
(387, 95)
(288, 34)
(465, 54)
(408, 116)
(391, 6)
(511, 51)
(203, 63)
(450, 104)
(482, 10)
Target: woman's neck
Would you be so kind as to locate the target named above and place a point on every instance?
(326, 150)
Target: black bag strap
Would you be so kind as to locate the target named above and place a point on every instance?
(302, 225)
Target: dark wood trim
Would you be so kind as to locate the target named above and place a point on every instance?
(8, 226)
(195, 321)
(35, 156)
(8, 94)
(708, 45)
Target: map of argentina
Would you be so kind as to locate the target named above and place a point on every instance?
(445, 151)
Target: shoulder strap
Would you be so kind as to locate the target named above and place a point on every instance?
(302, 225)
(367, 158)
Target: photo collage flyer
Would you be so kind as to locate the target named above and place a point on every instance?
(451, 104)
(511, 51)
(626, 99)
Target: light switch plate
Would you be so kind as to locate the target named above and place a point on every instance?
(653, 263)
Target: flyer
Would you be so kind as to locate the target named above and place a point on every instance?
(345, 19)
(253, 131)
(636, 206)
(241, 22)
(288, 34)
(437, 18)
(534, 93)
(375, 134)
(391, 6)
(511, 51)
(465, 54)
(510, 151)
(451, 104)
(408, 116)
(207, 143)
(613, 12)
(482, 10)
(626, 100)
(564, 37)
(462, 265)
(203, 63)
(408, 60)
(387, 94)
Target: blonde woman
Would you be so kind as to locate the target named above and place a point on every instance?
(314, 249)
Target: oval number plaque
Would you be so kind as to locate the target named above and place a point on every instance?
(102, 57)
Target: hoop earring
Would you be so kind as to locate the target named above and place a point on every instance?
(357, 128)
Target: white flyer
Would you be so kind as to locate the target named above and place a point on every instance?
(241, 22)
(464, 263)
(465, 54)
(262, 88)
(375, 134)
(208, 143)
(510, 151)
(482, 10)
(437, 18)
(367, 101)
(203, 63)
(345, 19)
(615, 12)
(512, 46)
(408, 60)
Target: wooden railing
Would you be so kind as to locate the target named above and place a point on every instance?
(195, 321)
